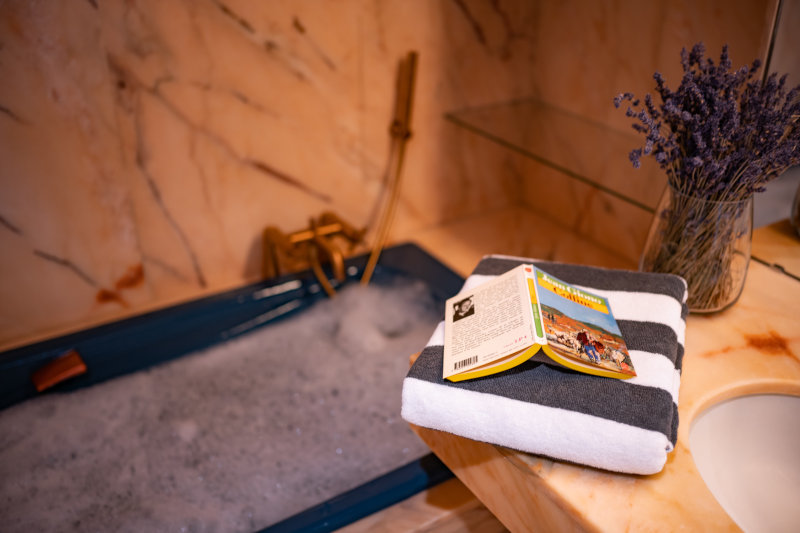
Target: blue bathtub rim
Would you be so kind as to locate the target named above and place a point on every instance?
(368, 498)
(132, 344)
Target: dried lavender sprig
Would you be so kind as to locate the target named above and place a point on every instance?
(721, 134)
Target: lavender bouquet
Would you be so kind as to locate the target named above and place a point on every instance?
(720, 138)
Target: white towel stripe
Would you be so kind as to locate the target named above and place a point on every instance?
(644, 307)
(437, 339)
(654, 370)
(558, 433)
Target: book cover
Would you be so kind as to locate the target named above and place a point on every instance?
(581, 331)
(526, 313)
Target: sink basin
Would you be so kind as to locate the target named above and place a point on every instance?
(747, 450)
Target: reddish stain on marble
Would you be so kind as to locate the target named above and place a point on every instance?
(712, 353)
(771, 343)
(106, 296)
(133, 277)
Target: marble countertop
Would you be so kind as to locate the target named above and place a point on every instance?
(777, 245)
(753, 347)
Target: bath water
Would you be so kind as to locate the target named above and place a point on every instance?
(232, 438)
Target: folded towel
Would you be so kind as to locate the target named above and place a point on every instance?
(625, 426)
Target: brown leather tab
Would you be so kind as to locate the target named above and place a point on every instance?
(59, 369)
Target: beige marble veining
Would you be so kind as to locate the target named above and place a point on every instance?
(147, 144)
(514, 231)
(780, 246)
(605, 53)
(608, 53)
(589, 212)
(162, 137)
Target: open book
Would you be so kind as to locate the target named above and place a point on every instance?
(526, 313)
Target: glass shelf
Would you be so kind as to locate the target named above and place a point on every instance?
(585, 150)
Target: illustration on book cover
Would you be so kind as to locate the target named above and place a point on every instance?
(579, 325)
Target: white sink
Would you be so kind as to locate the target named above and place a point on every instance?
(748, 452)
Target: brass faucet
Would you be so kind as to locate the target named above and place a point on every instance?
(309, 247)
(304, 248)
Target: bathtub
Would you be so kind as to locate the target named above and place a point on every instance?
(156, 342)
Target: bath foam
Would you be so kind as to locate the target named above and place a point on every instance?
(232, 438)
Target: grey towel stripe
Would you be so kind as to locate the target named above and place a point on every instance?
(673, 433)
(652, 337)
(599, 278)
(636, 405)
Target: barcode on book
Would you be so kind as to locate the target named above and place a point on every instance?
(465, 362)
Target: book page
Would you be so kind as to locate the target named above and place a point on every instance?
(487, 323)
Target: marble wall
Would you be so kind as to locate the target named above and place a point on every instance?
(146, 144)
(608, 49)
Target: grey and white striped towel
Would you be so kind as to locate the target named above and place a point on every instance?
(625, 426)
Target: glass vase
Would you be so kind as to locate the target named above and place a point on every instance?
(795, 213)
(705, 242)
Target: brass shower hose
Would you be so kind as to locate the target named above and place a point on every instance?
(400, 130)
